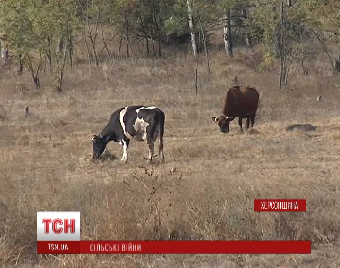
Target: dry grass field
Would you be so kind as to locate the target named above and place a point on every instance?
(208, 183)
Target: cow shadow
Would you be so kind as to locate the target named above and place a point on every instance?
(249, 131)
(252, 131)
(107, 156)
(154, 162)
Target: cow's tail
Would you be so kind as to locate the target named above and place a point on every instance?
(161, 134)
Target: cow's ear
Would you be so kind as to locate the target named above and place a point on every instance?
(214, 118)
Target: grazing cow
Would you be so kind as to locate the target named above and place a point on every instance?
(132, 122)
(241, 102)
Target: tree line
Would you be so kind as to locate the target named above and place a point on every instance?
(40, 33)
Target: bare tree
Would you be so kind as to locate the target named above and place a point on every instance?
(282, 48)
(60, 56)
(110, 54)
(192, 28)
(4, 55)
(205, 46)
(193, 41)
(325, 49)
(227, 34)
(245, 16)
(337, 65)
(91, 30)
(21, 65)
(34, 72)
(145, 35)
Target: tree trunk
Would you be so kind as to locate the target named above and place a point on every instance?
(36, 82)
(337, 65)
(89, 55)
(159, 44)
(48, 53)
(21, 65)
(109, 55)
(304, 69)
(228, 44)
(60, 45)
(153, 48)
(127, 37)
(204, 39)
(120, 45)
(196, 76)
(158, 32)
(145, 37)
(49, 58)
(192, 28)
(70, 50)
(326, 51)
(5, 56)
(193, 42)
(247, 37)
(34, 74)
(147, 46)
(93, 43)
(60, 69)
(283, 66)
(59, 80)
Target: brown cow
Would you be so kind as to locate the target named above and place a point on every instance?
(241, 102)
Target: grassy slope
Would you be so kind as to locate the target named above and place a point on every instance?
(206, 188)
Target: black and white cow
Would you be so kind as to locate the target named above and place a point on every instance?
(132, 122)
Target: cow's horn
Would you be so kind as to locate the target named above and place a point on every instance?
(93, 137)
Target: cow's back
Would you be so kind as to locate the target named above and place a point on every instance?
(241, 101)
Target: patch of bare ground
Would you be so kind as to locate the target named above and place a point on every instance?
(204, 190)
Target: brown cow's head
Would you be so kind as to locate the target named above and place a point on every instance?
(223, 122)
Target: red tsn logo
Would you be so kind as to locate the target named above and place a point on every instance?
(58, 226)
(69, 225)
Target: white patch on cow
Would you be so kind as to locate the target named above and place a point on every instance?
(121, 117)
(125, 155)
(146, 108)
(140, 127)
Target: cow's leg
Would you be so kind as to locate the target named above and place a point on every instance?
(248, 122)
(240, 123)
(252, 118)
(160, 146)
(125, 148)
(160, 149)
(159, 134)
(152, 132)
(151, 148)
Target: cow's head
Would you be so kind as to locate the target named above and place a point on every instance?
(223, 122)
(98, 146)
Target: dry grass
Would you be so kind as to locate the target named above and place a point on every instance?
(206, 188)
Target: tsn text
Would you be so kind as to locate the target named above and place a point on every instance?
(58, 226)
